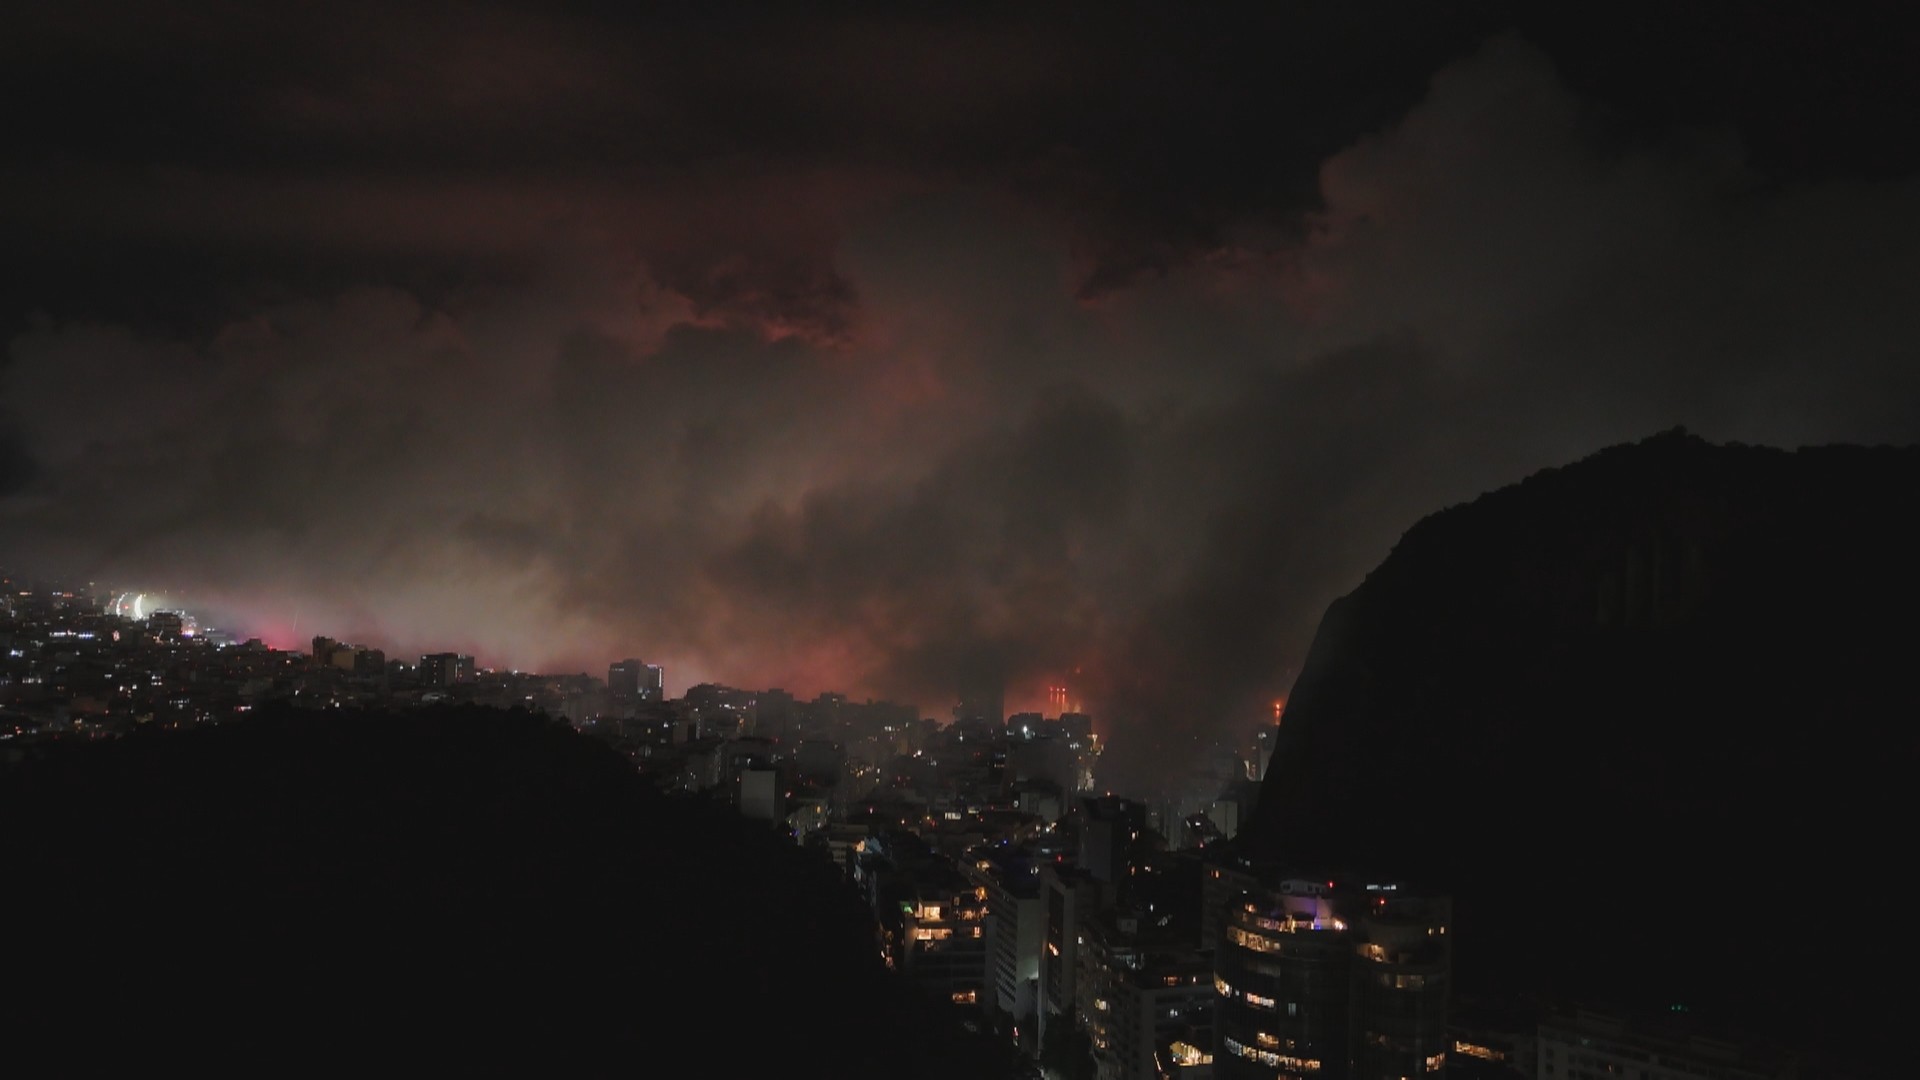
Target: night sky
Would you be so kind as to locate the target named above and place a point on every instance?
(1106, 342)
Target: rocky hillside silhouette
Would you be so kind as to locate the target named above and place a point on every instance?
(463, 891)
(1651, 718)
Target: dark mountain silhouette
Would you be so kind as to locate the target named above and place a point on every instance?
(1651, 718)
(457, 891)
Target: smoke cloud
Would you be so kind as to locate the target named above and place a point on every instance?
(842, 409)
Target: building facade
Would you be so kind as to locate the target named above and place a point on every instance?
(1014, 928)
(1142, 991)
(1318, 981)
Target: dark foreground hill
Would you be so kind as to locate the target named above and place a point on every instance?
(1652, 719)
(449, 892)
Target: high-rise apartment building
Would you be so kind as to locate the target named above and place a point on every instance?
(1110, 830)
(1141, 988)
(1316, 980)
(1014, 929)
(942, 947)
(1068, 896)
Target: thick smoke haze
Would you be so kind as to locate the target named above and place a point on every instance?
(521, 342)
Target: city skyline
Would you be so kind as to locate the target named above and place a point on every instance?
(1130, 934)
(1054, 695)
(991, 541)
(136, 607)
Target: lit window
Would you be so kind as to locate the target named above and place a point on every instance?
(1188, 1054)
(1484, 1053)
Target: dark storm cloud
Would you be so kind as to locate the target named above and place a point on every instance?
(840, 354)
(172, 165)
(249, 131)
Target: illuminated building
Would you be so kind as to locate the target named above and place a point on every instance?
(1316, 981)
(1077, 729)
(1015, 929)
(845, 840)
(942, 945)
(1178, 1059)
(1491, 1056)
(1141, 987)
(1220, 883)
(1069, 896)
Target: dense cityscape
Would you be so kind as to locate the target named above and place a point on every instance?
(1104, 936)
(1070, 541)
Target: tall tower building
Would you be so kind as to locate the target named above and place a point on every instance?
(1068, 896)
(630, 682)
(623, 680)
(1013, 929)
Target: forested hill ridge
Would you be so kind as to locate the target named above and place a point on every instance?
(458, 890)
(1651, 717)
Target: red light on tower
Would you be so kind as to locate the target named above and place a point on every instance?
(1057, 697)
